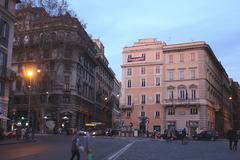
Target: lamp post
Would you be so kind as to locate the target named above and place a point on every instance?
(231, 110)
(29, 74)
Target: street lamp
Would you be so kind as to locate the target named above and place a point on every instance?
(29, 74)
(231, 110)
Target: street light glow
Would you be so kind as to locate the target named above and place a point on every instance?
(230, 98)
(106, 98)
(29, 73)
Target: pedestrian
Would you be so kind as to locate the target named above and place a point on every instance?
(231, 135)
(18, 133)
(235, 143)
(86, 141)
(22, 133)
(60, 130)
(75, 147)
(184, 134)
(169, 136)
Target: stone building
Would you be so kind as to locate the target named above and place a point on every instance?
(104, 86)
(174, 87)
(7, 20)
(62, 92)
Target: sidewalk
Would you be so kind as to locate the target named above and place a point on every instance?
(15, 141)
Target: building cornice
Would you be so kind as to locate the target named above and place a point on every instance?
(140, 49)
(141, 64)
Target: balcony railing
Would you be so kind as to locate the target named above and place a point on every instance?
(176, 102)
(126, 106)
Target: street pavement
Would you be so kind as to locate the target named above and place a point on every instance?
(58, 147)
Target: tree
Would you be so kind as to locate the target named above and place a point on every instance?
(53, 7)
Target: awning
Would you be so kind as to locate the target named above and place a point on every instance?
(3, 117)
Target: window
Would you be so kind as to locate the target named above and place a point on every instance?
(183, 94)
(143, 70)
(129, 100)
(192, 56)
(67, 66)
(181, 57)
(157, 81)
(193, 93)
(158, 69)
(143, 99)
(157, 98)
(171, 111)
(6, 4)
(170, 58)
(2, 88)
(3, 61)
(128, 114)
(181, 74)
(4, 32)
(129, 83)
(52, 65)
(192, 74)
(170, 94)
(129, 71)
(67, 82)
(143, 82)
(157, 55)
(170, 75)
(194, 111)
(157, 114)
(66, 99)
(142, 114)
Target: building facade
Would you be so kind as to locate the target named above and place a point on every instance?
(7, 20)
(62, 92)
(104, 86)
(174, 87)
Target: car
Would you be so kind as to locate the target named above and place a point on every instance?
(111, 132)
(82, 132)
(206, 135)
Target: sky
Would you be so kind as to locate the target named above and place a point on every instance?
(120, 23)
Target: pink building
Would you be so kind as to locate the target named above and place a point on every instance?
(173, 86)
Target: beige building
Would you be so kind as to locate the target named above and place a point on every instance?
(174, 86)
(7, 19)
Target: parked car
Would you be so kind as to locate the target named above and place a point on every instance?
(206, 135)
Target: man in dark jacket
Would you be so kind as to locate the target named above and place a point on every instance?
(232, 134)
(75, 147)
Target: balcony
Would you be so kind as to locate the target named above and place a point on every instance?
(181, 102)
(7, 74)
(126, 107)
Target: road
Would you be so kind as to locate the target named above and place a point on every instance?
(57, 147)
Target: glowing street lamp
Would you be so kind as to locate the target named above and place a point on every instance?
(29, 74)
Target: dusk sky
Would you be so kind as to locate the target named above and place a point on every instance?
(121, 23)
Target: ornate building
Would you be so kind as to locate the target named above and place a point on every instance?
(7, 20)
(104, 86)
(62, 92)
(174, 87)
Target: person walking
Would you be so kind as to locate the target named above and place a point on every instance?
(184, 134)
(75, 147)
(231, 135)
(235, 141)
